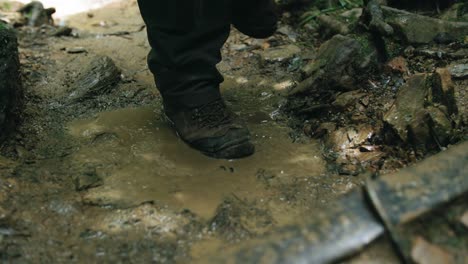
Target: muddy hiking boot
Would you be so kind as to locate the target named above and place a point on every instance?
(211, 129)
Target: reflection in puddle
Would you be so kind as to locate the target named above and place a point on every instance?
(141, 159)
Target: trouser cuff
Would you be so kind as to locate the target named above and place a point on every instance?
(192, 100)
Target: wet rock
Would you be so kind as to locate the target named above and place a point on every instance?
(62, 32)
(443, 90)
(10, 83)
(289, 32)
(417, 29)
(284, 85)
(349, 138)
(76, 50)
(88, 179)
(349, 169)
(407, 116)
(374, 17)
(459, 71)
(100, 76)
(338, 64)
(353, 14)
(237, 219)
(323, 130)
(441, 126)
(424, 110)
(331, 26)
(280, 54)
(347, 99)
(424, 252)
(350, 150)
(36, 15)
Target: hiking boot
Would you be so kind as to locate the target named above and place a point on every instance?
(212, 129)
(257, 19)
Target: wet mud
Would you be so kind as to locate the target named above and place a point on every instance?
(105, 179)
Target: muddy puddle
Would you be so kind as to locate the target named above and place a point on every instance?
(140, 159)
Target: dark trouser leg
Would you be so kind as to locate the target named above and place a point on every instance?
(255, 18)
(186, 37)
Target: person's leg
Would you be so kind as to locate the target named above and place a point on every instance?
(255, 18)
(186, 37)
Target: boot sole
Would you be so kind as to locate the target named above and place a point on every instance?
(236, 150)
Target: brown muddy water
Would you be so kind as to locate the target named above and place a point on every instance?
(142, 160)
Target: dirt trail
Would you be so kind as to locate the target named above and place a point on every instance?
(106, 179)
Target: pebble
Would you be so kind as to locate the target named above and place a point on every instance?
(76, 50)
(459, 71)
(464, 219)
(424, 252)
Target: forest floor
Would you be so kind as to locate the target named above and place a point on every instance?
(106, 179)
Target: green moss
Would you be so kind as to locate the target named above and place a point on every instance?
(366, 44)
(4, 26)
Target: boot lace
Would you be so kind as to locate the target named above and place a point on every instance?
(212, 115)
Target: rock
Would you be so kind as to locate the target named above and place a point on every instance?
(100, 76)
(353, 14)
(349, 169)
(349, 138)
(331, 26)
(324, 129)
(423, 252)
(350, 149)
(464, 219)
(338, 65)
(63, 31)
(284, 85)
(459, 71)
(280, 54)
(398, 64)
(347, 99)
(407, 116)
(444, 38)
(417, 29)
(88, 179)
(10, 83)
(289, 32)
(235, 219)
(441, 125)
(456, 12)
(374, 17)
(443, 90)
(76, 50)
(421, 113)
(36, 15)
